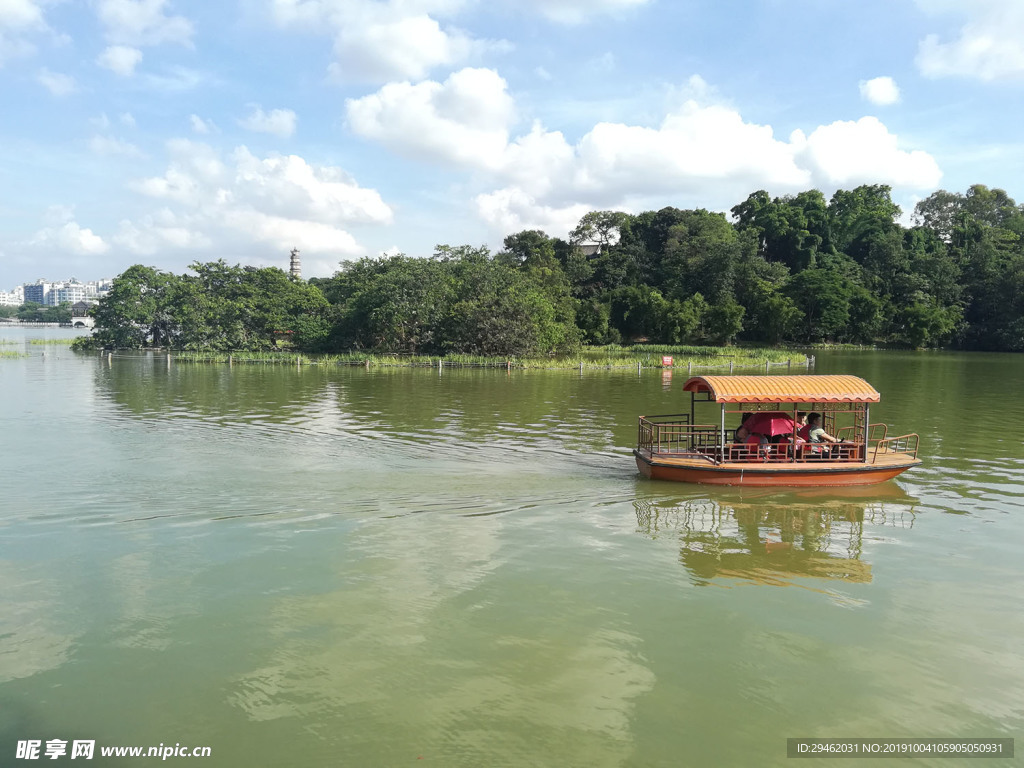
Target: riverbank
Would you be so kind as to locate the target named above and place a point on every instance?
(639, 357)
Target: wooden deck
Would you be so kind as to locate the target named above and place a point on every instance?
(699, 468)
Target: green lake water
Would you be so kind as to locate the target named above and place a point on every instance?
(401, 567)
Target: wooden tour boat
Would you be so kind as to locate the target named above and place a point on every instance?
(676, 447)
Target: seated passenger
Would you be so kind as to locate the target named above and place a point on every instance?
(741, 434)
(817, 434)
(758, 446)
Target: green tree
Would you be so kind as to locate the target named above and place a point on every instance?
(860, 214)
(824, 299)
(701, 255)
(136, 312)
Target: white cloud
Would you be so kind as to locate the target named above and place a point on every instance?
(19, 18)
(20, 14)
(706, 152)
(142, 22)
(158, 231)
(64, 234)
(56, 83)
(108, 145)
(384, 41)
(199, 125)
(288, 184)
(990, 45)
(280, 122)
(284, 233)
(580, 11)
(127, 118)
(278, 200)
(513, 210)
(846, 153)
(880, 90)
(463, 120)
(408, 47)
(120, 59)
(175, 80)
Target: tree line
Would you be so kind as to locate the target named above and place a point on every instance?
(791, 269)
(31, 312)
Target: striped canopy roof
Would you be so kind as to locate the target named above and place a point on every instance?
(784, 389)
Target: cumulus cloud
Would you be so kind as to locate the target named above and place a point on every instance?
(20, 14)
(464, 120)
(280, 122)
(120, 59)
(880, 90)
(513, 210)
(847, 153)
(990, 45)
(278, 200)
(142, 22)
(156, 232)
(704, 150)
(18, 18)
(56, 83)
(63, 233)
(384, 41)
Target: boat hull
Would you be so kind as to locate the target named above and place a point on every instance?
(817, 474)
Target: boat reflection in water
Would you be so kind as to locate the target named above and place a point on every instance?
(765, 539)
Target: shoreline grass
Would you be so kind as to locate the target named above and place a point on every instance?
(591, 358)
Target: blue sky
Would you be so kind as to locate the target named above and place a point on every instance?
(163, 132)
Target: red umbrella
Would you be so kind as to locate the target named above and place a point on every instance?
(770, 423)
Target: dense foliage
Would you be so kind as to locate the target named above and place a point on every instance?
(787, 269)
(220, 307)
(30, 312)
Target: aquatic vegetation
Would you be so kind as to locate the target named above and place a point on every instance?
(612, 356)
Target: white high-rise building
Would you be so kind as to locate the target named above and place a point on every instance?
(68, 292)
(13, 298)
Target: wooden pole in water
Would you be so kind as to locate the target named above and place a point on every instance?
(730, 366)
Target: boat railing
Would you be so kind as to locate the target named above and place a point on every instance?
(906, 444)
(853, 434)
(780, 453)
(673, 434)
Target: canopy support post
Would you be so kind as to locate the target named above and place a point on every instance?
(867, 431)
(721, 448)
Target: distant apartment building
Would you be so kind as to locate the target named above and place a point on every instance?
(37, 292)
(67, 292)
(54, 294)
(13, 298)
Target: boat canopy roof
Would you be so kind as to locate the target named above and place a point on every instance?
(784, 389)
